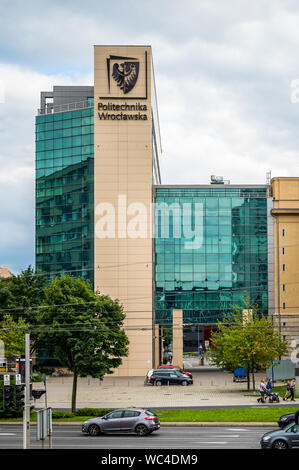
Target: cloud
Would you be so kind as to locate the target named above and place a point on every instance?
(17, 159)
(223, 75)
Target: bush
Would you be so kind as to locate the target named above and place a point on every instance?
(11, 413)
(62, 414)
(93, 411)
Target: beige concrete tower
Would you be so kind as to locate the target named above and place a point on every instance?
(285, 192)
(125, 134)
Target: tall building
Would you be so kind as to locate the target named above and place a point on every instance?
(285, 213)
(211, 249)
(98, 154)
(174, 256)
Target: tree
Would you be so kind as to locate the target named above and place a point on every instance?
(83, 328)
(20, 295)
(246, 340)
(22, 291)
(12, 333)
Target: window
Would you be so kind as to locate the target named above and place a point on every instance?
(283, 267)
(283, 306)
(283, 251)
(283, 232)
(114, 415)
(283, 287)
(131, 414)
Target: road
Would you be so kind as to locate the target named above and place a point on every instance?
(70, 437)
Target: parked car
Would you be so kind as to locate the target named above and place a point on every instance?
(286, 419)
(142, 422)
(286, 438)
(148, 376)
(150, 373)
(169, 377)
(177, 368)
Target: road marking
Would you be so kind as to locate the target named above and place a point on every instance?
(209, 442)
(236, 429)
(7, 434)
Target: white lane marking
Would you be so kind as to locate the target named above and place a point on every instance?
(209, 442)
(237, 429)
(7, 434)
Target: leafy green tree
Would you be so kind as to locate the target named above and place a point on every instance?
(20, 295)
(82, 328)
(22, 291)
(246, 340)
(12, 333)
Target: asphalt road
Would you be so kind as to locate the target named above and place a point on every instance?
(70, 437)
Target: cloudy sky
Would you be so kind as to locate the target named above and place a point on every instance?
(227, 78)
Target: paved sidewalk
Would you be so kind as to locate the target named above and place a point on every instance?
(211, 388)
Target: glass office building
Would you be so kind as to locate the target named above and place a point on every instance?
(211, 242)
(206, 277)
(64, 191)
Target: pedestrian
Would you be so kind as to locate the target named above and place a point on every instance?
(288, 391)
(269, 385)
(262, 390)
(269, 388)
(292, 389)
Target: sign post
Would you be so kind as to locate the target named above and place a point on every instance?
(44, 426)
(26, 413)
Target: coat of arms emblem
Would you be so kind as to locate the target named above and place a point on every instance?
(124, 72)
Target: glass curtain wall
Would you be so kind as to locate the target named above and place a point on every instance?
(206, 278)
(64, 193)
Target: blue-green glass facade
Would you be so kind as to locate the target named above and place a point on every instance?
(206, 278)
(64, 193)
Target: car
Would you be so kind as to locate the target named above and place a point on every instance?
(286, 438)
(177, 368)
(142, 422)
(286, 419)
(168, 377)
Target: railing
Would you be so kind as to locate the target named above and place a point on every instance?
(61, 108)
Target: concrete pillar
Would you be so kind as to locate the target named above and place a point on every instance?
(177, 338)
(158, 346)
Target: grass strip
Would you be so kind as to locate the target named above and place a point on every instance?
(217, 415)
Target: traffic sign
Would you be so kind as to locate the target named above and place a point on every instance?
(6, 379)
(18, 379)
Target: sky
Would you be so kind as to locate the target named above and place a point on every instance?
(227, 80)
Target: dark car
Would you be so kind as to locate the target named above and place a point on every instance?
(142, 422)
(176, 368)
(286, 438)
(169, 377)
(286, 419)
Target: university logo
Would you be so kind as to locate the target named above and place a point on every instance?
(124, 72)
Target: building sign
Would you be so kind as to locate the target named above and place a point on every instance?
(122, 112)
(125, 72)
(126, 78)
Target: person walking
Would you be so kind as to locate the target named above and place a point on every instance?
(269, 388)
(269, 385)
(292, 389)
(262, 390)
(288, 391)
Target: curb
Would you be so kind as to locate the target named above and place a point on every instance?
(170, 424)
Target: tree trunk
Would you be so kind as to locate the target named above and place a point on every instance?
(253, 379)
(74, 392)
(248, 377)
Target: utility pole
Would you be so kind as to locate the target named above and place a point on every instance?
(26, 412)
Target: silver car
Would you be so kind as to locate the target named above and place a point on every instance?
(286, 438)
(141, 422)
